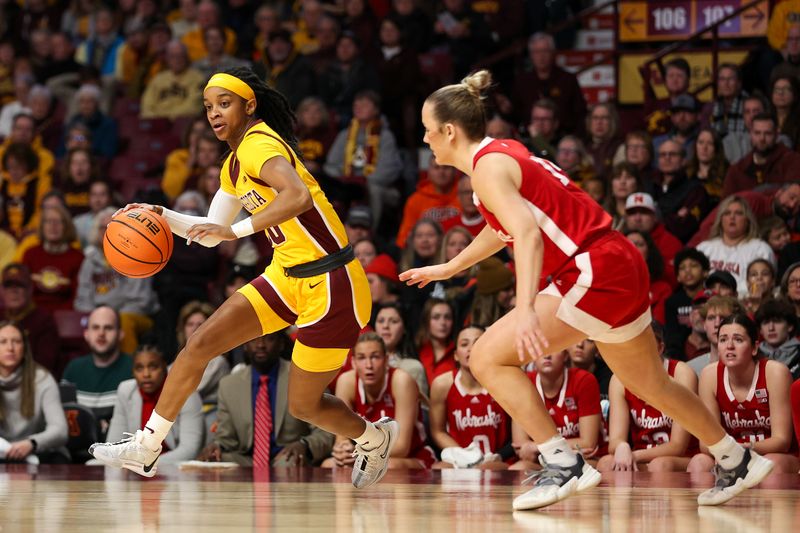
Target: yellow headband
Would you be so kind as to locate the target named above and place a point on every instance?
(233, 84)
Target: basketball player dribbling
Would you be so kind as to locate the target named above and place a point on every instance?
(313, 281)
(599, 290)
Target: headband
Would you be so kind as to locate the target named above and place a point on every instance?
(233, 84)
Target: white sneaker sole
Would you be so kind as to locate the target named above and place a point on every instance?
(589, 478)
(139, 468)
(759, 469)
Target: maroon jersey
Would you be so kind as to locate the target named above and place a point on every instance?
(384, 406)
(475, 418)
(569, 218)
(650, 426)
(746, 421)
(579, 396)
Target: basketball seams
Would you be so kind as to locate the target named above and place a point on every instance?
(145, 237)
(145, 275)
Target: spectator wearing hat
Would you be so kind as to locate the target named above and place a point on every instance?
(733, 241)
(697, 342)
(685, 124)
(769, 162)
(216, 58)
(494, 292)
(683, 201)
(691, 268)
(436, 198)
(777, 324)
(285, 69)
(713, 312)
(722, 283)
(364, 157)
(39, 326)
(469, 217)
(641, 214)
(383, 281)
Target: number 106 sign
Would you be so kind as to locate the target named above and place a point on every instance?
(668, 20)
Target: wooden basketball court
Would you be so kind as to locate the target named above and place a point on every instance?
(93, 499)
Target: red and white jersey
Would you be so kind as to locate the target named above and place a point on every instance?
(579, 396)
(475, 418)
(384, 406)
(650, 426)
(569, 218)
(749, 420)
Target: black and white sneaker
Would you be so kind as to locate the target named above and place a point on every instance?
(730, 483)
(371, 465)
(128, 453)
(554, 483)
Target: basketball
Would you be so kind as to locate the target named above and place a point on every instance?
(138, 243)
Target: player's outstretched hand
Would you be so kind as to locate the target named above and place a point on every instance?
(199, 231)
(424, 275)
(155, 208)
(531, 342)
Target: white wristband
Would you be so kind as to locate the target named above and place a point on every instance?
(243, 228)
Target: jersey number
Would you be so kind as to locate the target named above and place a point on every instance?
(552, 169)
(276, 235)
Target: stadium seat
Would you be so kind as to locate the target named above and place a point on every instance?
(70, 326)
(68, 392)
(82, 429)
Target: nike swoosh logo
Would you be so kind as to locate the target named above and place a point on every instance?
(314, 285)
(150, 430)
(148, 468)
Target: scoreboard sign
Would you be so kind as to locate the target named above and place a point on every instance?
(672, 20)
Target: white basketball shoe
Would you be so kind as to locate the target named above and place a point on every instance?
(128, 453)
(371, 465)
(554, 483)
(729, 483)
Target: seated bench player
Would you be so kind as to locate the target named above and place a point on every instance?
(572, 397)
(656, 444)
(375, 390)
(751, 395)
(466, 423)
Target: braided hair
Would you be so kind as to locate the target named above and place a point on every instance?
(271, 106)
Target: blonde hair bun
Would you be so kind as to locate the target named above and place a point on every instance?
(477, 83)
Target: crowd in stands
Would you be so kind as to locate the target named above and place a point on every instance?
(102, 105)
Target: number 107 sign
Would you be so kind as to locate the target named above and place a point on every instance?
(669, 20)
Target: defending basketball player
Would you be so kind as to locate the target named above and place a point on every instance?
(599, 290)
(313, 281)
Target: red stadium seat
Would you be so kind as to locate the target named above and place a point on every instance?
(70, 326)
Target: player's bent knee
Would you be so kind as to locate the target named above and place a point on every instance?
(328, 463)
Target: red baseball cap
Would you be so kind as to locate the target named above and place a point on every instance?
(384, 266)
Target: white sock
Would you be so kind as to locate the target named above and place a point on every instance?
(727, 452)
(371, 438)
(155, 431)
(556, 451)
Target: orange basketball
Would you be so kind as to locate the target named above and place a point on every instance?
(138, 243)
